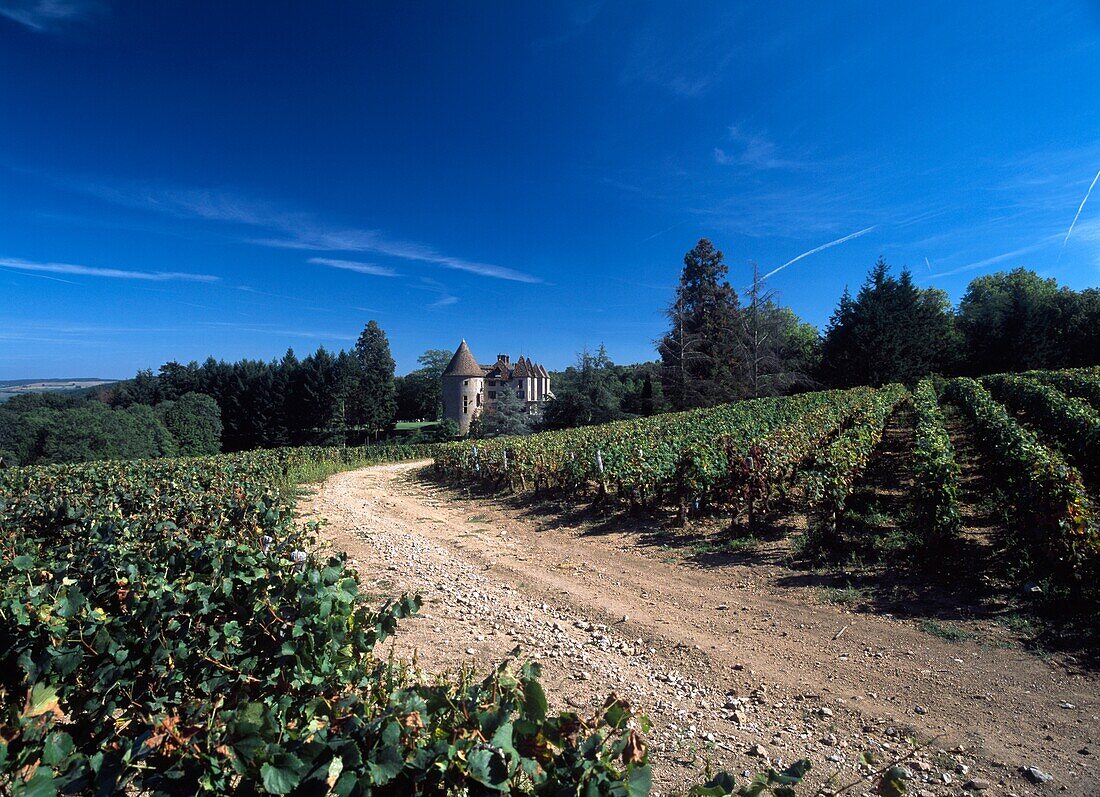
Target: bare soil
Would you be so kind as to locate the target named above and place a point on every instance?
(722, 651)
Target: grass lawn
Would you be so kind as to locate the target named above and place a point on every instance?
(409, 426)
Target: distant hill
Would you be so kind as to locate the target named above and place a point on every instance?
(15, 387)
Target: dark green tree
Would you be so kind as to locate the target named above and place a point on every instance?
(194, 421)
(1016, 320)
(95, 431)
(419, 394)
(701, 354)
(892, 331)
(372, 402)
(314, 401)
(587, 393)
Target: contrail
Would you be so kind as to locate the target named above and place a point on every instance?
(927, 264)
(1074, 222)
(837, 242)
(662, 232)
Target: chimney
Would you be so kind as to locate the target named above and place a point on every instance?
(504, 359)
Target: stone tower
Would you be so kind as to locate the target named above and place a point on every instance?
(463, 388)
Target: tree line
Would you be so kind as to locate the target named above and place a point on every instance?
(721, 345)
(322, 399)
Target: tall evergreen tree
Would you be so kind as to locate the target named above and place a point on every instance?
(372, 400)
(892, 331)
(700, 354)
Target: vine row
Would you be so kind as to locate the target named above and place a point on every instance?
(936, 494)
(1053, 512)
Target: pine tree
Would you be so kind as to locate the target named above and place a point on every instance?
(372, 401)
(700, 354)
(892, 331)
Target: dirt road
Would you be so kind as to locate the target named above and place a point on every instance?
(732, 667)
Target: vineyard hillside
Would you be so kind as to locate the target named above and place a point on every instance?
(802, 590)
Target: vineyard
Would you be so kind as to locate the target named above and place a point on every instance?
(1040, 433)
(166, 627)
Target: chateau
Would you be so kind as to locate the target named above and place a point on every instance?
(470, 389)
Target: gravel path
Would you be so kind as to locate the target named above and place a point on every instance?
(732, 669)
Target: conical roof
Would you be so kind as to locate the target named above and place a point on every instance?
(521, 369)
(463, 363)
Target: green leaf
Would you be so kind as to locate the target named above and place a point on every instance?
(335, 767)
(616, 714)
(23, 562)
(535, 700)
(640, 781)
(57, 748)
(42, 700)
(792, 775)
(721, 785)
(278, 780)
(487, 767)
(385, 762)
(892, 783)
(41, 785)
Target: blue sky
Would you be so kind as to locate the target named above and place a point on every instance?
(180, 179)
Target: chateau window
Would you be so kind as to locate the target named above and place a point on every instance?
(467, 382)
(465, 405)
(492, 393)
(519, 394)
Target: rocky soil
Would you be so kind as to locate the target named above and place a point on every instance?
(735, 668)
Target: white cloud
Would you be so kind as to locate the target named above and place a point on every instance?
(44, 15)
(111, 273)
(352, 265)
(286, 230)
(753, 151)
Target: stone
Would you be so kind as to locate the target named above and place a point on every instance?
(977, 784)
(1036, 775)
(758, 750)
(920, 710)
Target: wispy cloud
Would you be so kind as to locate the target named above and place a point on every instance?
(817, 249)
(753, 151)
(288, 230)
(312, 238)
(688, 68)
(990, 261)
(111, 273)
(446, 299)
(46, 15)
(353, 265)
